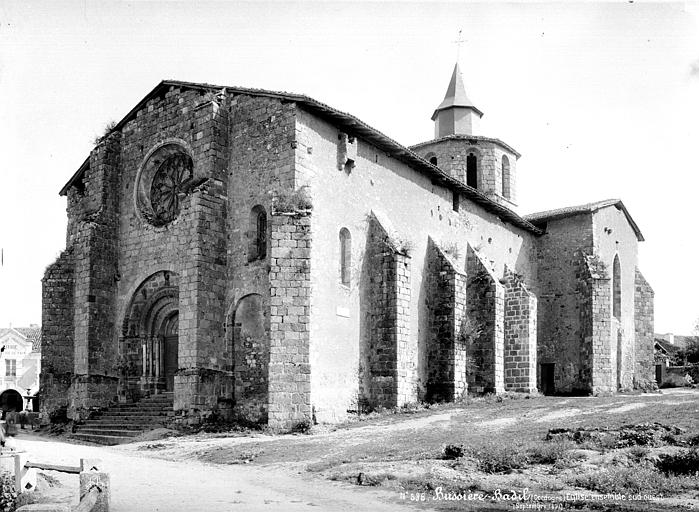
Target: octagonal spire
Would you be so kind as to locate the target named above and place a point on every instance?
(456, 115)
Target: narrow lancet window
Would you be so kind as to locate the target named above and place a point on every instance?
(472, 170)
(345, 256)
(506, 190)
(616, 288)
(257, 249)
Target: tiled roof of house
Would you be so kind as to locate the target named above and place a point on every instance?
(346, 122)
(665, 346)
(32, 334)
(678, 341)
(541, 218)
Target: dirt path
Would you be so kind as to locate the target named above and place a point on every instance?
(143, 484)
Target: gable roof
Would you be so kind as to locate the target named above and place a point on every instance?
(677, 340)
(30, 334)
(665, 347)
(541, 218)
(349, 123)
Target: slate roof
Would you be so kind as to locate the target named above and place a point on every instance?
(348, 123)
(456, 94)
(541, 218)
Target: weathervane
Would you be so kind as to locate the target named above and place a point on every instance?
(459, 40)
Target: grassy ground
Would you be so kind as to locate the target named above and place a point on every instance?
(491, 454)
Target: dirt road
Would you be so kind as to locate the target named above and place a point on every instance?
(142, 484)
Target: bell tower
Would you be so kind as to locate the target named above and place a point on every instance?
(482, 163)
(456, 115)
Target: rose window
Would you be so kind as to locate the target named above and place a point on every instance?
(169, 181)
(162, 183)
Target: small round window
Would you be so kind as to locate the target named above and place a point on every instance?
(163, 180)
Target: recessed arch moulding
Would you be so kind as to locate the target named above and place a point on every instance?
(149, 337)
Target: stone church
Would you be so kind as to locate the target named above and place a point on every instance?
(262, 255)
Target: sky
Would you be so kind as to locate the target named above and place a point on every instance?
(601, 100)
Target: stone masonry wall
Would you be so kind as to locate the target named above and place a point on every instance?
(520, 335)
(446, 351)
(410, 206)
(289, 366)
(644, 322)
(451, 153)
(388, 376)
(203, 378)
(598, 372)
(192, 245)
(57, 349)
(260, 163)
(96, 274)
(560, 327)
(485, 303)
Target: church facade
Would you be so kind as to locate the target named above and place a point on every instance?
(263, 255)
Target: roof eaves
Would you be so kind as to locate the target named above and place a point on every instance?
(455, 105)
(541, 218)
(467, 138)
(347, 121)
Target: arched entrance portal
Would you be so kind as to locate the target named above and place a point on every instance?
(169, 347)
(149, 345)
(11, 401)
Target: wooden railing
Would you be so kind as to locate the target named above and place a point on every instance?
(94, 483)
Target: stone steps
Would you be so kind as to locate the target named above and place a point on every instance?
(102, 439)
(102, 431)
(135, 412)
(123, 422)
(92, 424)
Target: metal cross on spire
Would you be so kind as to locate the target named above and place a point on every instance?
(459, 40)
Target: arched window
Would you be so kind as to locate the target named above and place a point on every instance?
(506, 192)
(431, 158)
(616, 288)
(257, 248)
(472, 170)
(345, 256)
